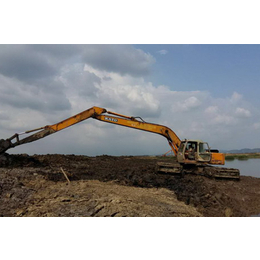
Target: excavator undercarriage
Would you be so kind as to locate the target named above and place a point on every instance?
(199, 169)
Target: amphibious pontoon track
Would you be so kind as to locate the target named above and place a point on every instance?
(204, 170)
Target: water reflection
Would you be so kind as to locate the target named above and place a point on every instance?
(250, 167)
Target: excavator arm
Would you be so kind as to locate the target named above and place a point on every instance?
(132, 122)
(96, 113)
(41, 132)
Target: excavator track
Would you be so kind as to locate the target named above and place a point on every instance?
(203, 170)
(169, 168)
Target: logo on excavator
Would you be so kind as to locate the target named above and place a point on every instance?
(110, 119)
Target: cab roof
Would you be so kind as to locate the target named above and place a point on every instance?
(192, 140)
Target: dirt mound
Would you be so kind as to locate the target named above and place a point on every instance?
(35, 185)
(94, 198)
(21, 160)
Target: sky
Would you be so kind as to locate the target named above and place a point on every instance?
(209, 92)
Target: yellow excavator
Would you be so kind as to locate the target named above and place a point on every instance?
(193, 156)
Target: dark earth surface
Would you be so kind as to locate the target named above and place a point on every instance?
(117, 186)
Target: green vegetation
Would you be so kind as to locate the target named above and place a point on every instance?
(242, 156)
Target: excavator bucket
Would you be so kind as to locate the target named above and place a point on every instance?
(4, 145)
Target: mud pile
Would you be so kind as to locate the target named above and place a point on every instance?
(116, 186)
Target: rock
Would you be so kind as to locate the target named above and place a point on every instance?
(8, 195)
(19, 212)
(228, 212)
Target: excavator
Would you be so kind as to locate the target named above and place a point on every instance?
(193, 156)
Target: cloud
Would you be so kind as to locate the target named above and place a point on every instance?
(133, 95)
(236, 97)
(3, 116)
(34, 62)
(241, 112)
(187, 104)
(20, 95)
(224, 120)
(50, 77)
(163, 52)
(84, 82)
(256, 125)
(23, 62)
(79, 77)
(191, 103)
(220, 115)
(211, 110)
(122, 59)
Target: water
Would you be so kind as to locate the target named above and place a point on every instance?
(250, 167)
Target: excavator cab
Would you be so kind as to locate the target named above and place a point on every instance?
(197, 151)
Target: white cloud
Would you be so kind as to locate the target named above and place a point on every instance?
(236, 97)
(211, 110)
(191, 102)
(224, 120)
(242, 112)
(122, 59)
(163, 52)
(188, 104)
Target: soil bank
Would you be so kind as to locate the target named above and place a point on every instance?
(116, 186)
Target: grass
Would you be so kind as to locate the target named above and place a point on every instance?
(243, 156)
(228, 157)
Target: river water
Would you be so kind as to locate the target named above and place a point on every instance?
(250, 167)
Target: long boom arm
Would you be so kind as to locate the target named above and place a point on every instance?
(96, 113)
(41, 132)
(132, 122)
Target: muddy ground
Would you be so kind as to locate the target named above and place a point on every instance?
(116, 186)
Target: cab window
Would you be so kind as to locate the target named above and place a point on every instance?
(203, 147)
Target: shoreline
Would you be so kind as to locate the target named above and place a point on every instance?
(241, 156)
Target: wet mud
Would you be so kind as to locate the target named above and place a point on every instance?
(117, 186)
